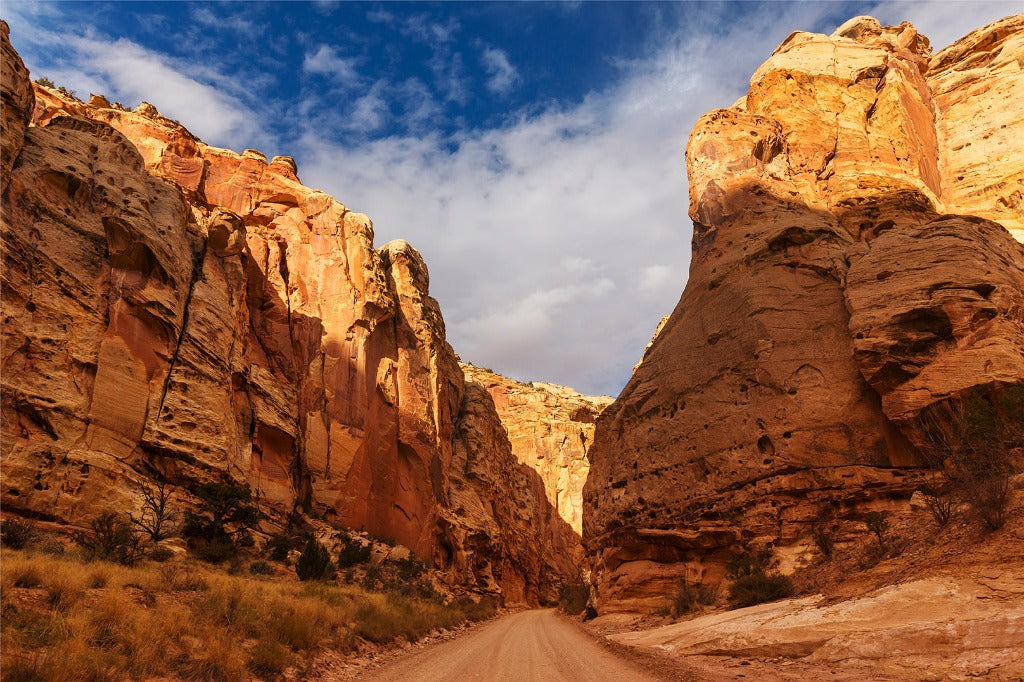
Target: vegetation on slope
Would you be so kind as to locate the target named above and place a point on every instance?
(64, 618)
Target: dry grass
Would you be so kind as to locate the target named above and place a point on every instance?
(63, 619)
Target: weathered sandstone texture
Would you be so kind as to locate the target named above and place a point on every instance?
(550, 428)
(930, 629)
(172, 309)
(852, 268)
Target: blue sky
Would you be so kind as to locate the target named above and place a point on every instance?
(533, 152)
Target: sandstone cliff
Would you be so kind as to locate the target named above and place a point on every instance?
(550, 429)
(177, 310)
(853, 267)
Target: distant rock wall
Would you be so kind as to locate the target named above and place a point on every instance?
(177, 310)
(550, 429)
(847, 274)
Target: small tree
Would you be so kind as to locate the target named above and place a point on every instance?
(156, 520)
(878, 523)
(226, 512)
(112, 538)
(45, 82)
(223, 521)
(315, 561)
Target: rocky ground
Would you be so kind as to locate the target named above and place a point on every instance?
(942, 603)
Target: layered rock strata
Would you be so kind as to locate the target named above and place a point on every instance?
(853, 266)
(176, 310)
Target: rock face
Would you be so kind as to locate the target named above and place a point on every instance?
(847, 275)
(938, 628)
(174, 309)
(550, 429)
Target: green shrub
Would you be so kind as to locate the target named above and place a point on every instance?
(260, 568)
(16, 534)
(748, 563)
(315, 561)
(409, 568)
(278, 546)
(352, 553)
(45, 82)
(758, 588)
(112, 538)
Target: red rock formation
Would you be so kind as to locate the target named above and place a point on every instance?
(831, 299)
(550, 428)
(176, 309)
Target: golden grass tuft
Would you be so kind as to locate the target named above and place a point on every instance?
(178, 619)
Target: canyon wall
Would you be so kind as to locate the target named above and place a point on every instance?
(550, 429)
(177, 311)
(854, 265)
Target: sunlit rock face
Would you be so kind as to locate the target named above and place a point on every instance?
(550, 429)
(177, 310)
(854, 264)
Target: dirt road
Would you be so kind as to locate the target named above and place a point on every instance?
(530, 645)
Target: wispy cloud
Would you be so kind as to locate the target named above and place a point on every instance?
(502, 75)
(325, 61)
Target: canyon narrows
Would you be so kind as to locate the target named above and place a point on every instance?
(180, 314)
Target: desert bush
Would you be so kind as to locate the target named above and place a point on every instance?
(237, 628)
(16, 534)
(972, 440)
(260, 568)
(44, 81)
(688, 598)
(28, 575)
(752, 583)
(161, 554)
(573, 597)
(352, 553)
(269, 657)
(371, 578)
(878, 523)
(112, 538)
(409, 568)
(823, 539)
(315, 561)
(748, 563)
(156, 520)
(939, 502)
(278, 546)
(758, 588)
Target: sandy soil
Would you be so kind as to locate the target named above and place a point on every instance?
(529, 645)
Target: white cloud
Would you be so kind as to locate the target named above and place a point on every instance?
(127, 72)
(941, 21)
(503, 76)
(326, 62)
(135, 74)
(369, 111)
(557, 243)
(655, 278)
